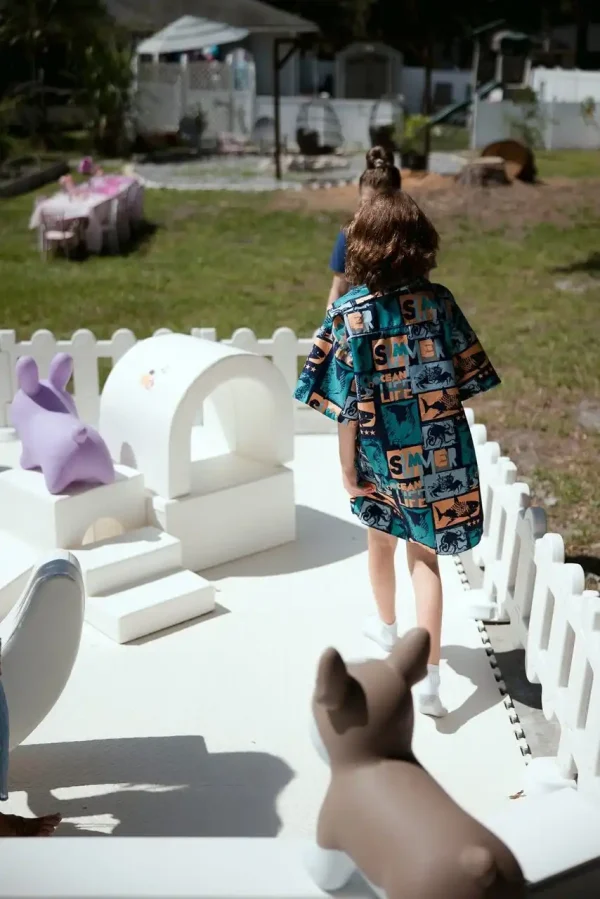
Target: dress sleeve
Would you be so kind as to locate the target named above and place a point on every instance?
(327, 382)
(474, 371)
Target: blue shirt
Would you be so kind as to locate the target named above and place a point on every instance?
(338, 257)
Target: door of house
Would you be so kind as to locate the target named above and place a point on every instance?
(367, 76)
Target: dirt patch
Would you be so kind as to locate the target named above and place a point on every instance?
(556, 201)
(552, 464)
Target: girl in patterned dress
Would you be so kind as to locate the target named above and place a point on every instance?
(393, 363)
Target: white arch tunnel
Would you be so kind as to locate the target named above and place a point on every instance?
(153, 394)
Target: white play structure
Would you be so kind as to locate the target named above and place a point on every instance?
(202, 434)
(40, 641)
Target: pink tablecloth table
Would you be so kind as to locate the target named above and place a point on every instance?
(105, 202)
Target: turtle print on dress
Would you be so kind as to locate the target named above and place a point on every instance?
(401, 365)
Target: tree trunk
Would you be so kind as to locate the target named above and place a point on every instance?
(582, 22)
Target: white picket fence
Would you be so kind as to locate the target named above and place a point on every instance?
(525, 579)
(284, 348)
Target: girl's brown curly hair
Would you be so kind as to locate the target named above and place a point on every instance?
(390, 242)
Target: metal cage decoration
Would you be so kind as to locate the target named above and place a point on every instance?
(318, 128)
(385, 117)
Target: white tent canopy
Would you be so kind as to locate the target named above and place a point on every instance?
(191, 33)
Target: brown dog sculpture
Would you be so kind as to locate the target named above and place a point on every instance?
(383, 813)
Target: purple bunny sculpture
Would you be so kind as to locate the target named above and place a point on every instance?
(53, 437)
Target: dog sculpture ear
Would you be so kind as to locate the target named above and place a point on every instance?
(28, 377)
(333, 681)
(61, 369)
(409, 655)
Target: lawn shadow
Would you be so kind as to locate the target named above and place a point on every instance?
(591, 266)
(321, 539)
(140, 238)
(153, 787)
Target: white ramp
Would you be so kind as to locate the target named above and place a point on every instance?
(203, 731)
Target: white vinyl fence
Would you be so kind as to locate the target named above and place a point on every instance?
(527, 582)
(554, 125)
(525, 578)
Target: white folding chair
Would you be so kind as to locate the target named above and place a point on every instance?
(57, 231)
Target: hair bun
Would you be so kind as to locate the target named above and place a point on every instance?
(379, 158)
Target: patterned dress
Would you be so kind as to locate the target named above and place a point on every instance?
(402, 365)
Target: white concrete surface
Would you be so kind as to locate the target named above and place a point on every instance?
(203, 730)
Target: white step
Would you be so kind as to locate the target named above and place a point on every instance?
(150, 606)
(134, 556)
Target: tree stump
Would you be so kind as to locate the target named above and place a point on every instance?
(483, 172)
(519, 159)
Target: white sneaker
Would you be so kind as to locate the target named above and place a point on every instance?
(431, 705)
(385, 635)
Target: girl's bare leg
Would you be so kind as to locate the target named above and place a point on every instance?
(427, 586)
(382, 628)
(382, 572)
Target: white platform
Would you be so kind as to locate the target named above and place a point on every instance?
(237, 507)
(135, 555)
(150, 606)
(550, 835)
(203, 731)
(48, 521)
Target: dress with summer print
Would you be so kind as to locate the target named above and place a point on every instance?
(402, 364)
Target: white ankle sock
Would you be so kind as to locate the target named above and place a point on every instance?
(428, 695)
(385, 635)
(430, 685)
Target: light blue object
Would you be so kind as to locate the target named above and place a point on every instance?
(3, 745)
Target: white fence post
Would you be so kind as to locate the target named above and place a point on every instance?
(531, 527)
(495, 471)
(491, 601)
(563, 655)
(86, 383)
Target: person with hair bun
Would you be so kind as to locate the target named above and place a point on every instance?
(380, 174)
(393, 363)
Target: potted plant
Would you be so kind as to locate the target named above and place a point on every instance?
(412, 144)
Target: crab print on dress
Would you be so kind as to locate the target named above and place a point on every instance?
(401, 365)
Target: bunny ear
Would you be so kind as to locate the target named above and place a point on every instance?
(61, 369)
(333, 681)
(27, 373)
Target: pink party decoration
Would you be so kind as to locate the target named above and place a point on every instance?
(86, 166)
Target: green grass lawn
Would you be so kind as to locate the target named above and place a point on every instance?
(568, 163)
(230, 260)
